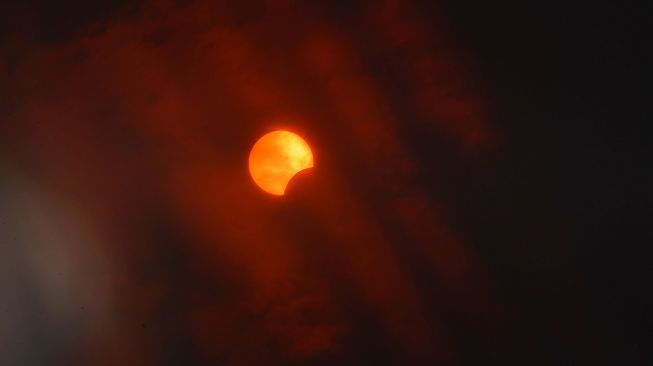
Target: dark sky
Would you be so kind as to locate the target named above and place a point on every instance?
(478, 194)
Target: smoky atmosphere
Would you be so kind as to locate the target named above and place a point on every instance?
(284, 182)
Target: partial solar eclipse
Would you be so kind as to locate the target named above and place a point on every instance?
(276, 158)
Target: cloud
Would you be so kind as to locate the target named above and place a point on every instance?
(145, 121)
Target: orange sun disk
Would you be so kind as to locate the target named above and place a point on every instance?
(276, 158)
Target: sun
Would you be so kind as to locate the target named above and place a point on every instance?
(276, 158)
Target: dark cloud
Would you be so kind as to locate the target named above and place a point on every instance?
(437, 227)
